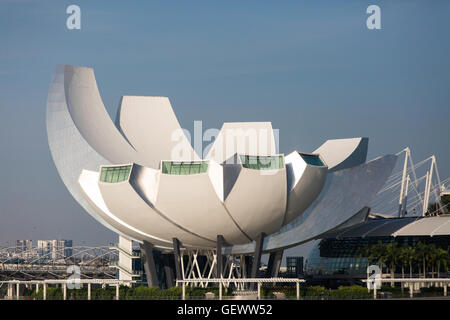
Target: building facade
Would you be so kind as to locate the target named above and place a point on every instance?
(140, 177)
(343, 255)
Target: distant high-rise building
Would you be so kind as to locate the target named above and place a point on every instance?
(23, 245)
(43, 247)
(67, 248)
(55, 249)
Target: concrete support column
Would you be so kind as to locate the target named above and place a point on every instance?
(168, 271)
(220, 243)
(64, 291)
(37, 287)
(445, 289)
(257, 258)
(117, 291)
(149, 264)
(247, 270)
(17, 290)
(45, 291)
(297, 285)
(411, 290)
(220, 290)
(89, 290)
(274, 264)
(243, 266)
(176, 254)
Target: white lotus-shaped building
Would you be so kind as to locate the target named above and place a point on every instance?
(140, 177)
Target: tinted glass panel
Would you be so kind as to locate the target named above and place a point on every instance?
(312, 159)
(262, 162)
(115, 174)
(184, 168)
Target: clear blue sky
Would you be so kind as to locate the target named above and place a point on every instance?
(310, 67)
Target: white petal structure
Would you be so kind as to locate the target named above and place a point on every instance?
(150, 126)
(125, 203)
(88, 183)
(344, 195)
(70, 151)
(191, 201)
(251, 138)
(257, 201)
(343, 153)
(91, 118)
(140, 177)
(306, 175)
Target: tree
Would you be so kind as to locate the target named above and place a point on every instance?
(441, 258)
(391, 255)
(366, 252)
(433, 208)
(446, 261)
(403, 258)
(379, 252)
(422, 252)
(409, 254)
(431, 257)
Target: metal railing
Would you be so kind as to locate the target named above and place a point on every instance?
(222, 281)
(64, 284)
(411, 281)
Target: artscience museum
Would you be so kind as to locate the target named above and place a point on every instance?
(240, 200)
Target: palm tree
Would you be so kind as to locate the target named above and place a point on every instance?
(431, 257)
(446, 261)
(441, 258)
(410, 254)
(392, 256)
(422, 252)
(403, 258)
(366, 252)
(379, 251)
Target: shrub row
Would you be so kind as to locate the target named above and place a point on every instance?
(349, 292)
